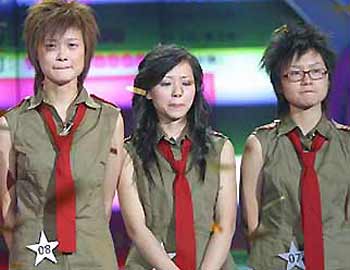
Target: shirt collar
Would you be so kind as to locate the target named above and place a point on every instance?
(83, 97)
(161, 135)
(36, 100)
(323, 127)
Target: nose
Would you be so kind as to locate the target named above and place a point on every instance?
(177, 90)
(306, 78)
(62, 54)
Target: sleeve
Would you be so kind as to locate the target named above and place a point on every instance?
(11, 118)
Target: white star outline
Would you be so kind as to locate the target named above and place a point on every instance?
(170, 254)
(294, 258)
(43, 249)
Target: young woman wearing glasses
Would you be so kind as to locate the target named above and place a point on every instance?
(295, 171)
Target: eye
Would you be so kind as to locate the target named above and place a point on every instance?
(295, 73)
(165, 83)
(316, 71)
(50, 46)
(73, 45)
(187, 83)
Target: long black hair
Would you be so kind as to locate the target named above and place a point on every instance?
(151, 71)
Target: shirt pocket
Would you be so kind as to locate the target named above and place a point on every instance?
(270, 216)
(34, 165)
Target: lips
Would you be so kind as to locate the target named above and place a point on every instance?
(308, 91)
(176, 106)
(61, 68)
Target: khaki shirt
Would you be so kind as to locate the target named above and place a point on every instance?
(35, 185)
(280, 217)
(158, 204)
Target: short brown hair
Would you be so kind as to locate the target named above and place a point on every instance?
(55, 17)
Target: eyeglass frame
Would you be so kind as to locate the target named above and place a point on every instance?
(324, 72)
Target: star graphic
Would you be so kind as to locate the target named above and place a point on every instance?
(43, 249)
(294, 258)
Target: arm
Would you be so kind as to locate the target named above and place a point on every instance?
(225, 214)
(7, 188)
(113, 166)
(252, 163)
(347, 205)
(134, 219)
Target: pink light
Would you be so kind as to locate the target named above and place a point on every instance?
(116, 61)
(111, 88)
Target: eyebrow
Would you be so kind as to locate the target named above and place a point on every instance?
(300, 66)
(73, 39)
(55, 39)
(182, 77)
(50, 39)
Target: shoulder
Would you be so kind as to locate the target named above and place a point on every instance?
(253, 144)
(220, 143)
(341, 127)
(104, 103)
(109, 111)
(19, 107)
(5, 136)
(228, 152)
(258, 142)
(266, 133)
(12, 114)
(216, 136)
(342, 132)
(3, 123)
(269, 127)
(130, 151)
(10, 120)
(128, 140)
(129, 145)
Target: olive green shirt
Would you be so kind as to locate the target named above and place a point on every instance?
(280, 216)
(158, 203)
(35, 156)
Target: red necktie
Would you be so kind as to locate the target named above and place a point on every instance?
(65, 190)
(311, 210)
(184, 225)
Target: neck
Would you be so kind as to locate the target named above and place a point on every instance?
(59, 96)
(307, 119)
(173, 129)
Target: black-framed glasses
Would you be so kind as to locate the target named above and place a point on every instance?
(298, 75)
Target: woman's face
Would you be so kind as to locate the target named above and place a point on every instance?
(305, 81)
(174, 95)
(61, 58)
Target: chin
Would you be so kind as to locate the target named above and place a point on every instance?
(174, 118)
(307, 106)
(63, 81)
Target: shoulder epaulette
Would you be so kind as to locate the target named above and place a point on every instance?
(268, 126)
(128, 139)
(104, 101)
(340, 126)
(216, 133)
(18, 104)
